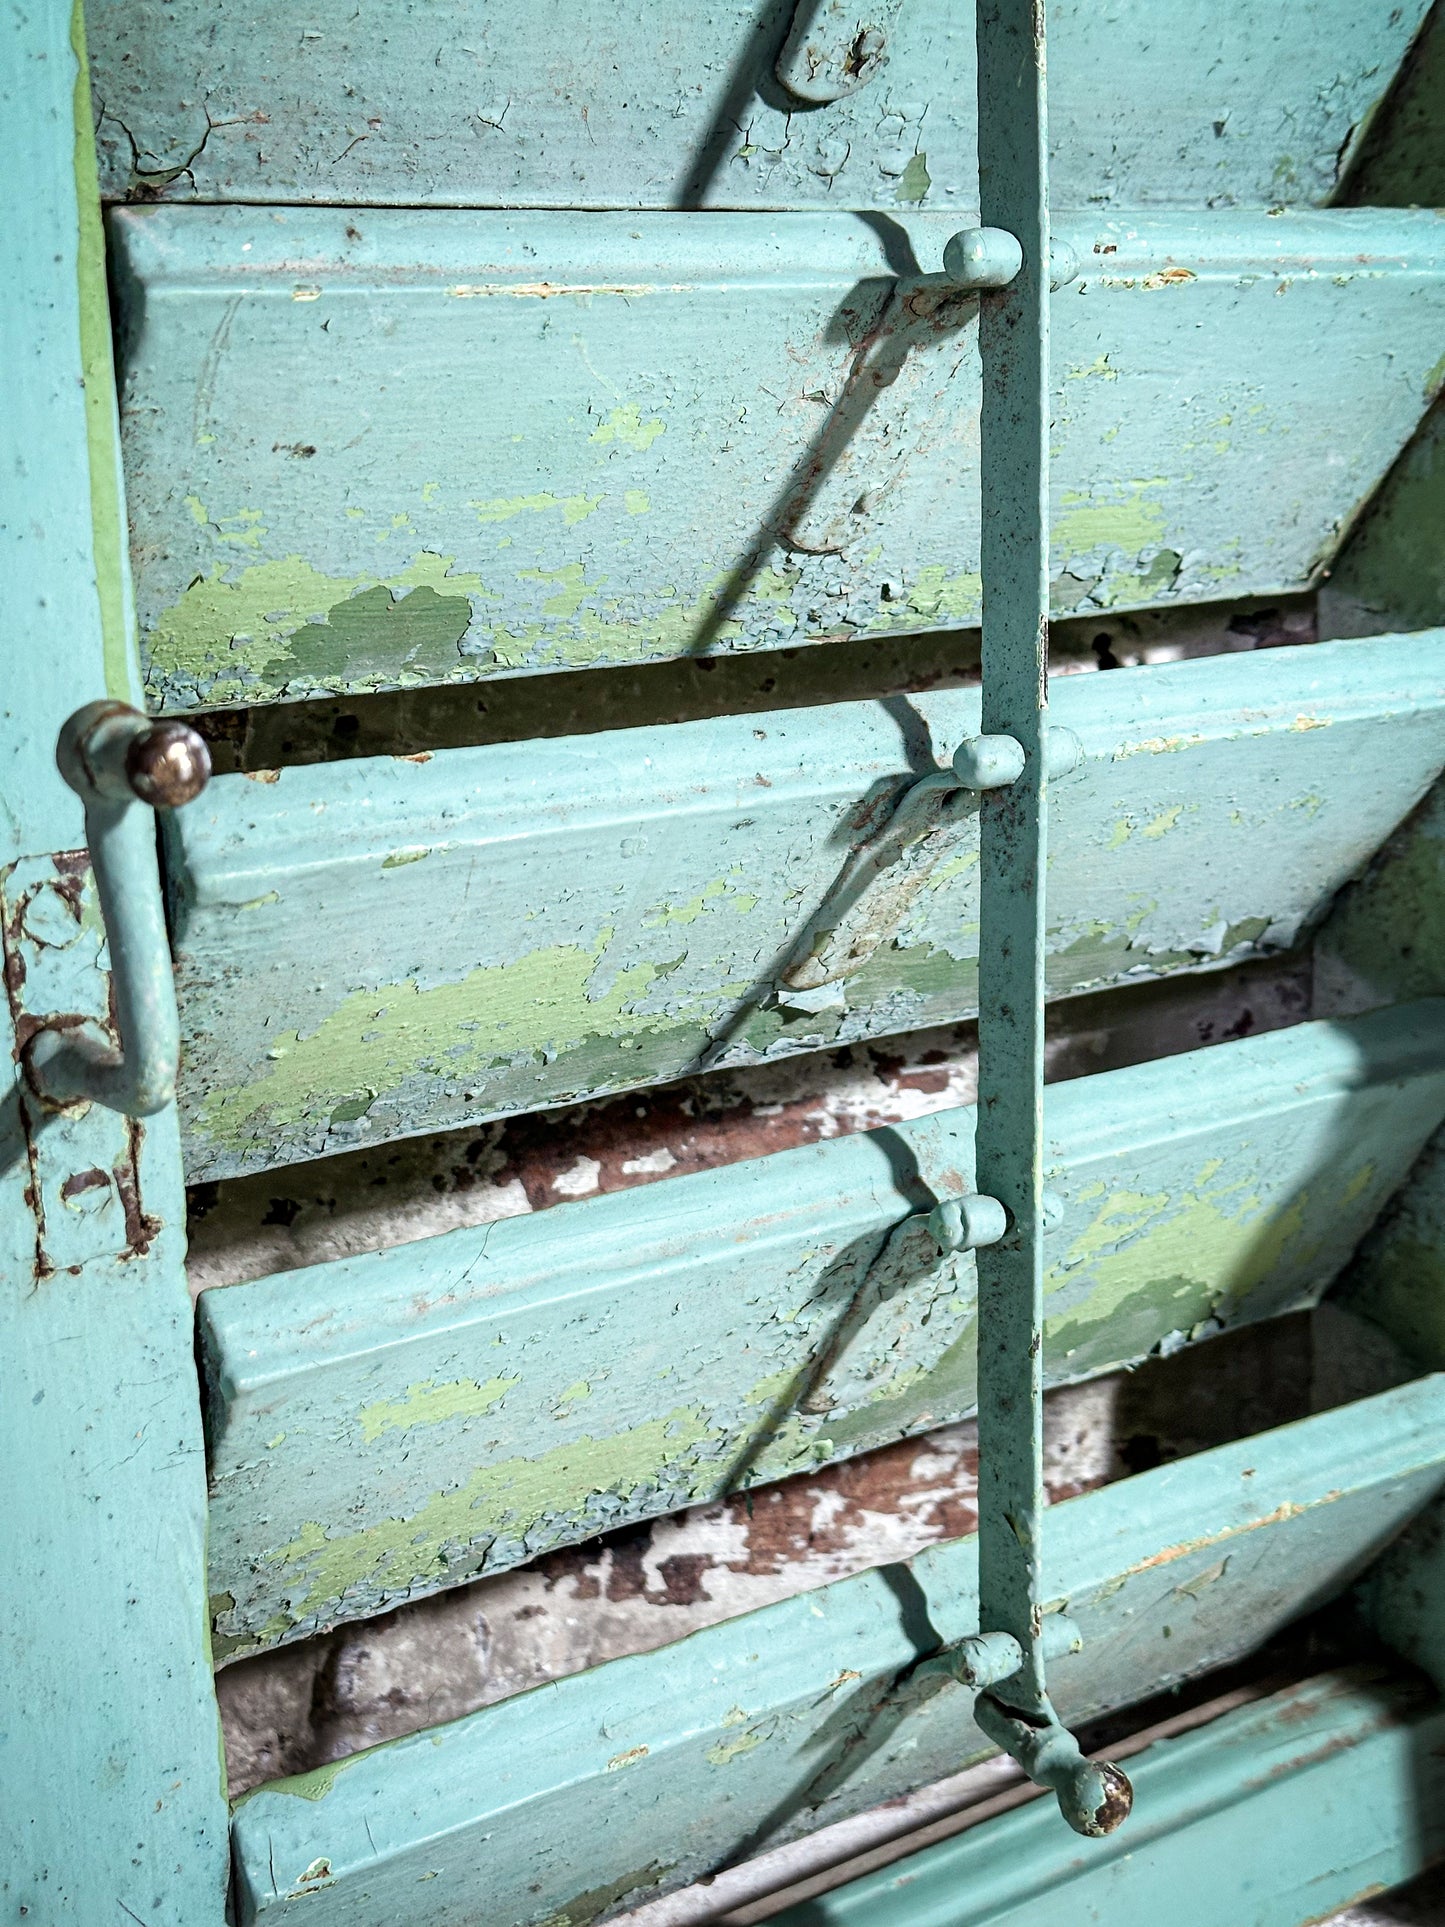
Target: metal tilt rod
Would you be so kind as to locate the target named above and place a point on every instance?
(1014, 346)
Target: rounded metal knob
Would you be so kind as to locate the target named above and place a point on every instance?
(167, 766)
(110, 752)
(1098, 1798)
(982, 257)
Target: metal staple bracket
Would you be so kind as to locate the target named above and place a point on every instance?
(834, 47)
(123, 765)
(885, 873)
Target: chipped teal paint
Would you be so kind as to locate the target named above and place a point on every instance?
(641, 888)
(392, 1423)
(111, 1797)
(313, 510)
(479, 106)
(1256, 1817)
(512, 1812)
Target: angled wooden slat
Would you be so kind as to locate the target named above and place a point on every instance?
(1255, 1817)
(566, 1802)
(388, 1424)
(388, 946)
(566, 104)
(370, 449)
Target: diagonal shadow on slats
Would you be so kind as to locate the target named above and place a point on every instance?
(846, 889)
(884, 321)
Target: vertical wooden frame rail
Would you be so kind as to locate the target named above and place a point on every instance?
(112, 1794)
(1014, 429)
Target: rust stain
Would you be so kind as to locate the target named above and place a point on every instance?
(141, 1230)
(25, 1027)
(82, 1181)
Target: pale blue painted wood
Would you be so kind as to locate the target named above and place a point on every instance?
(646, 1772)
(1277, 1814)
(386, 946)
(381, 448)
(111, 1794)
(564, 103)
(391, 1423)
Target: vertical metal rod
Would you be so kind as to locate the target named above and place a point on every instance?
(1014, 346)
(1014, 1706)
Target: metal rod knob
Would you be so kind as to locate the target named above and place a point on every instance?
(982, 257)
(123, 765)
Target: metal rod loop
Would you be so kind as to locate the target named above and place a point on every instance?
(123, 765)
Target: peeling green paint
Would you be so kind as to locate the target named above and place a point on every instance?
(1100, 368)
(1162, 824)
(721, 892)
(625, 426)
(574, 508)
(431, 1404)
(915, 182)
(724, 1752)
(314, 1785)
(452, 1531)
(565, 601)
(375, 1039)
(936, 595)
(1133, 522)
(283, 617)
(600, 633)
(1190, 1257)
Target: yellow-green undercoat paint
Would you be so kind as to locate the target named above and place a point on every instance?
(431, 1404)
